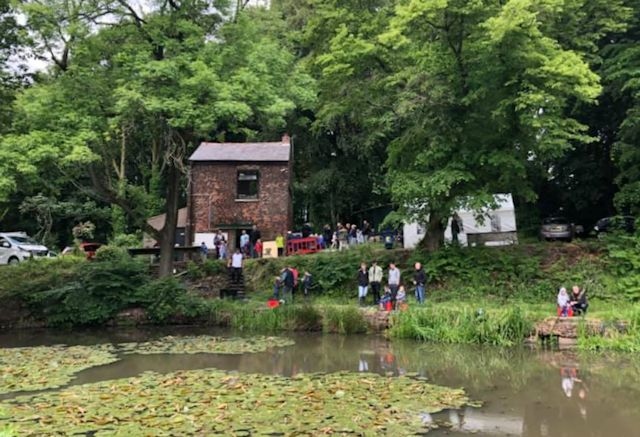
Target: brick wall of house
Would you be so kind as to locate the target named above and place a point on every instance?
(213, 197)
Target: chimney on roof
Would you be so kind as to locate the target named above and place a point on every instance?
(286, 139)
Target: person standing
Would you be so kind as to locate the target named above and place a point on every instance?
(280, 244)
(258, 248)
(307, 283)
(420, 281)
(375, 279)
(366, 231)
(456, 227)
(219, 237)
(236, 263)
(343, 235)
(287, 283)
(394, 282)
(244, 242)
(353, 235)
(204, 251)
(222, 249)
(327, 234)
(363, 283)
(254, 237)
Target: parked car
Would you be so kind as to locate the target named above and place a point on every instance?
(16, 247)
(557, 228)
(624, 223)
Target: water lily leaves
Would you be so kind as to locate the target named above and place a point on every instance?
(36, 368)
(209, 402)
(206, 344)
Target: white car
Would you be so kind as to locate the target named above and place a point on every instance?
(18, 246)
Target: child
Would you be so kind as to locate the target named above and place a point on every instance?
(222, 249)
(258, 248)
(401, 298)
(563, 302)
(277, 286)
(386, 298)
(307, 282)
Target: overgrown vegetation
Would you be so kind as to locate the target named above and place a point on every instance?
(463, 323)
(475, 295)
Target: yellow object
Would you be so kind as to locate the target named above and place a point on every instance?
(280, 242)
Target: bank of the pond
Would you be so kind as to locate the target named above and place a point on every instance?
(475, 295)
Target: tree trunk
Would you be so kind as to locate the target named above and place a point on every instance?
(168, 232)
(434, 237)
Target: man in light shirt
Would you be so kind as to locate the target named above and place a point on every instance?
(236, 263)
(375, 278)
(394, 282)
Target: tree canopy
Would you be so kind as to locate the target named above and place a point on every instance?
(416, 106)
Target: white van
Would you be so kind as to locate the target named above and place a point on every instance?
(18, 246)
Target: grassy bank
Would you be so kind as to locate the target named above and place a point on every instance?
(475, 295)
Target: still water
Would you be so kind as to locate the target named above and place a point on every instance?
(523, 392)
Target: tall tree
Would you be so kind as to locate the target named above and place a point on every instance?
(147, 88)
(488, 92)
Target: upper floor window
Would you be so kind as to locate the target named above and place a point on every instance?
(248, 184)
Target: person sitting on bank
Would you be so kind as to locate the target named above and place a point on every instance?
(401, 298)
(563, 302)
(579, 302)
(386, 298)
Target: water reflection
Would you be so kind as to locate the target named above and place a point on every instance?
(524, 393)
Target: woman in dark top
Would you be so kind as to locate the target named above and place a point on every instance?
(579, 302)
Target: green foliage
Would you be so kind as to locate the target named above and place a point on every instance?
(344, 320)
(112, 253)
(93, 295)
(624, 261)
(463, 323)
(36, 276)
(334, 273)
(162, 298)
(125, 241)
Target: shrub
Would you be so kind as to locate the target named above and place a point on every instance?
(344, 320)
(166, 297)
(462, 324)
(112, 253)
(93, 295)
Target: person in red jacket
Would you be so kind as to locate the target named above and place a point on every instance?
(258, 248)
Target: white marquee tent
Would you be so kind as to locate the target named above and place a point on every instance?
(497, 225)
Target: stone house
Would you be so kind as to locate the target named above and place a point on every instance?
(233, 186)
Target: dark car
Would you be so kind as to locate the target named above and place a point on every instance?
(624, 223)
(557, 228)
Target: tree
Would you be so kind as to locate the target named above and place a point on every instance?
(146, 89)
(485, 92)
(622, 79)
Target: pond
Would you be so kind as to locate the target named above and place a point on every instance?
(522, 392)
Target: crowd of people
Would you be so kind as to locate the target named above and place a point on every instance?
(393, 295)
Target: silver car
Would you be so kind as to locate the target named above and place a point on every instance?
(557, 228)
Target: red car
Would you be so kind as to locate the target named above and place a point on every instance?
(89, 250)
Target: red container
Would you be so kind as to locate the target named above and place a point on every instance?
(387, 306)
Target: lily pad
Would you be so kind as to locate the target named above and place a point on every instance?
(37, 368)
(209, 402)
(206, 344)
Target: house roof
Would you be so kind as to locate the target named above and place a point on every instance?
(157, 222)
(270, 151)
